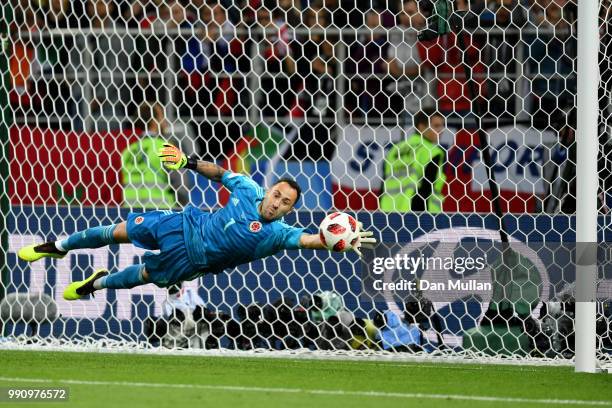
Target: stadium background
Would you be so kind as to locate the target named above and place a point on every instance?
(246, 107)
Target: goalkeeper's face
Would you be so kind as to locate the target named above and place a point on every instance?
(277, 202)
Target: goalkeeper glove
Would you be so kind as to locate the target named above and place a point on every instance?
(364, 239)
(172, 157)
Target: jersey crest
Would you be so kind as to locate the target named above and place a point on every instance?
(255, 226)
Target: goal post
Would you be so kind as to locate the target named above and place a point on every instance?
(587, 184)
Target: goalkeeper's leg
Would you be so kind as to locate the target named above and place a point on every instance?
(128, 278)
(95, 237)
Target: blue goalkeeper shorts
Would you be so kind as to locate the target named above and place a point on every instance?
(162, 230)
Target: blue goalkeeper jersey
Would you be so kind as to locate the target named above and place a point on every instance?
(235, 234)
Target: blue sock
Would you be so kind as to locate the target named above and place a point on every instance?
(126, 279)
(90, 238)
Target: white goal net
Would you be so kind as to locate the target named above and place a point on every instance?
(446, 127)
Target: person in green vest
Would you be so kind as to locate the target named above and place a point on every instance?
(414, 175)
(146, 184)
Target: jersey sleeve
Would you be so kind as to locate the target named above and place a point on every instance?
(233, 181)
(288, 237)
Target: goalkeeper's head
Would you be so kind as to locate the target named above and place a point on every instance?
(280, 199)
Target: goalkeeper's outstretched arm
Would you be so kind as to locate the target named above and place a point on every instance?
(173, 158)
(207, 169)
(365, 240)
(311, 241)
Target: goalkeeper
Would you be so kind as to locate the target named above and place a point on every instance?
(193, 242)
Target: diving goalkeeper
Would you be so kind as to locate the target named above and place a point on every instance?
(193, 242)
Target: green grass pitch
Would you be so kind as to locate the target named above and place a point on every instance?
(136, 380)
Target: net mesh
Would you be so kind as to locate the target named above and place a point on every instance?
(328, 93)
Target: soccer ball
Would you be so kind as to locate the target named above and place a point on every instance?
(338, 232)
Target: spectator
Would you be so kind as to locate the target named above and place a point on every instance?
(111, 56)
(291, 9)
(349, 14)
(562, 181)
(316, 66)
(53, 66)
(134, 11)
(414, 175)
(552, 52)
(508, 13)
(209, 90)
(314, 56)
(541, 15)
(366, 69)
(537, 11)
(206, 85)
(446, 57)
(410, 86)
(147, 183)
(279, 65)
(21, 60)
(154, 48)
(504, 67)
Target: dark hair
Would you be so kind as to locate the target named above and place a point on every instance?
(146, 113)
(422, 117)
(293, 184)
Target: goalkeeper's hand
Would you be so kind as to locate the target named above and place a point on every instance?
(172, 157)
(364, 239)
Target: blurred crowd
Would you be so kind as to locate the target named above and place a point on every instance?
(218, 67)
(198, 58)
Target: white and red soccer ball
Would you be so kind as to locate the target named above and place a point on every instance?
(339, 231)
